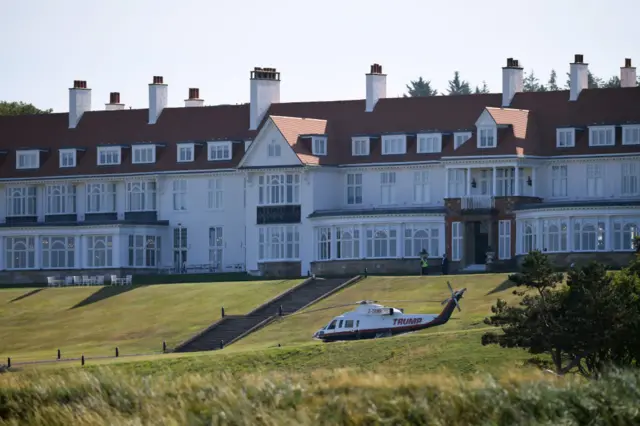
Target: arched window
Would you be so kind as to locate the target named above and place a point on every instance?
(100, 252)
(58, 252)
(348, 243)
(20, 252)
(624, 234)
(323, 236)
(381, 242)
(528, 238)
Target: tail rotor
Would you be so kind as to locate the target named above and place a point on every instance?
(453, 297)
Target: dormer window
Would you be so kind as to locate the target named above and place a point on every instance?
(487, 137)
(396, 144)
(67, 157)
(429, 143)
(631, 135)
(219, 151)
(108, 155)
(144, 154)
(319, 146)
(273, 149)
(460, 138)
(27, 159)
(185, 152)
(602, 136)
(360, 146)
(565, 138)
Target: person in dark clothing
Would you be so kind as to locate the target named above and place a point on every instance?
(445, 264)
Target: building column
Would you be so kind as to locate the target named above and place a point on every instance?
(37, 251)
(495, 181)
(446, 183)
(608, 234)
(517, 181)
(400, 241)
(116, 251)
(533, 181)
(333, 243)
(570, 234)
(468, 191)
(77, 253)
(363, 242)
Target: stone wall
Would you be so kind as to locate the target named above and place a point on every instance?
(614, 260)
(280, 269)
(40, 276)
(373, 266)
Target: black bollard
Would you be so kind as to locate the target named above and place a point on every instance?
(8, 362)
(82, 360)
(222, 309)
(58, 353)
(221, 344)
(365, 272)
(164, 347)
(117, 353)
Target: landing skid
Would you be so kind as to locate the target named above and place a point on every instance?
(384, 334)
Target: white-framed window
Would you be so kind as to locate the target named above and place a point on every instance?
(99, 251)
(141, 196)
(631, 135)
(595, 181)
(216, 247)
(144, 154)
(456, 241)
(418, 237)
(61, 199)
(58, 252)
(180, 247)
(505, 181)
(395, 144)
(278, 243)
(421, 188)
(529, 236)
(487, 137)
(381, 242)
(602, 136)
(360, 146)
(27, 159)
(323, 243)
(457, 184)
(279, 189)
(186, 152)
(218, 151)
(485, 182)
(387, 188)
(101, 197)
(67, 157)
(354, 188)
(20, 252)
(274, 149)
(144, 251)
(504, 239)
(559, 185)
(319, 146)
(215, 194)
(625, 231)
(589, 235)
(631, 178)
(21, 201)
(565, 138)
(555, 236)
(460, 138)
(348, 242)
(179, 187)
(429, 143)
(108, 155)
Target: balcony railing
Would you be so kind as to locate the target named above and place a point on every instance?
(477, 202)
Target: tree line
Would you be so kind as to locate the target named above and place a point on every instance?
(585, 322)
(458, 86)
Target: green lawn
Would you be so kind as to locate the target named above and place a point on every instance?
(94, 320)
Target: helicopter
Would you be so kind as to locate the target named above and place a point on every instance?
(370, 320)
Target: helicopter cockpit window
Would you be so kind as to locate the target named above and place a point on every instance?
(340, 325)
(332, 325)
(348, 324)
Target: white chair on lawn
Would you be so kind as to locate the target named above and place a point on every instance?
(77, 280)
(100, 280)
(128, 280)
(114, 279)
(68, 280)
(51, 281)
(86, 280)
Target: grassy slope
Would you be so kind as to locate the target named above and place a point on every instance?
(135, 319)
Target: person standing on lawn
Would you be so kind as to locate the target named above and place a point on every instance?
(424, 262)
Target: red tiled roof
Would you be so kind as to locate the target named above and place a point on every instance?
(292, 127)
(532, 118)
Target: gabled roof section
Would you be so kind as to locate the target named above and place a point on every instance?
(293, 127)
(517, 118)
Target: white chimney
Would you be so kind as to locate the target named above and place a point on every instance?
(114, 102)
(512, 81)
(376, 86)
(628, 75)
(579, 77)
(158, 97)
(79, 102)
(265, 90)
(194, 98)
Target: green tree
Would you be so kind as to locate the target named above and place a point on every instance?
(483, 89)
(612, 82)
(593, 82)
(552, 85)
(458, 86)
(20, 108)
(532, 84)
(420, 88)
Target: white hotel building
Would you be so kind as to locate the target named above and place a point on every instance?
(326, 187)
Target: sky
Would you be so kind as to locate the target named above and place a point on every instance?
(322, 49)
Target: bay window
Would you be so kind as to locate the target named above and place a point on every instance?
(58, 252)
(381, 242)
(348, 242)
(20, 252)
(101, 197)
(278, 243)
(61, 199)
(99, 251)
(274, 189)
(555, 235)
(141, 196)
(418, 237)
(323, 243)
(144, 251)
(21, 201)
(625, 231)
(588, 235)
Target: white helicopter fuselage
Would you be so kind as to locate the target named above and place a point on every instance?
(371, 320)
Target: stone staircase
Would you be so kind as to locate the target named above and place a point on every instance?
(232, 328)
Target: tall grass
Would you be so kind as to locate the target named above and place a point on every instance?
(340, 397)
